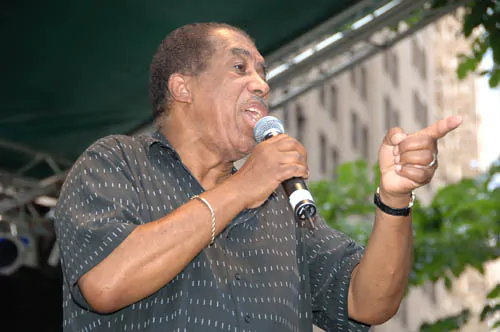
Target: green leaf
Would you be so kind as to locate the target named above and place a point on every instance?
(481, 21)
(494, 78)
(489, 311)
(474, 17)
(494, 293)
(447, 324)
(467, 64)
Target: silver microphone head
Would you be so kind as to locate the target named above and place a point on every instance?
(266, 127)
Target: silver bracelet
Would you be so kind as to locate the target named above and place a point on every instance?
(212, 215)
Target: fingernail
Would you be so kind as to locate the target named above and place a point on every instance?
(397, 158)
(398, 168)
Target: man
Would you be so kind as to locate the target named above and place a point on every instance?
(161, 233)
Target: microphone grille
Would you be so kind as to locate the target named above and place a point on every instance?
(265, 126)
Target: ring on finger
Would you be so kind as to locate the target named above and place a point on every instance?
(434, 160)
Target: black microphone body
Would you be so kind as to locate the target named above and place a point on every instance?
(295, 188)
(305, 208)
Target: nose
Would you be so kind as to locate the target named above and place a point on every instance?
(258, 85)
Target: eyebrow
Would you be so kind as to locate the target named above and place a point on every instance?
(243, 52)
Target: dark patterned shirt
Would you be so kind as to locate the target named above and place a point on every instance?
(262, 274)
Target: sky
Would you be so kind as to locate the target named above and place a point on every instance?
(488, 106)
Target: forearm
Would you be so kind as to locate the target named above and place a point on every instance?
(379, 282)
(154, 253)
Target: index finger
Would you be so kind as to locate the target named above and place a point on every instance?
(288, 143)
(442, 127)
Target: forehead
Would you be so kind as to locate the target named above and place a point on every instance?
(227, 40)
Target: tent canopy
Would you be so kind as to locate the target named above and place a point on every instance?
(73, 72)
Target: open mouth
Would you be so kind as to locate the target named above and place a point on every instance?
(254, 114)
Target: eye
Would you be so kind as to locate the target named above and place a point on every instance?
(240, 68)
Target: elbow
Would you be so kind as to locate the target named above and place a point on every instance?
(373, 311)
(99, 296)
(102, 304)
(376, 316)
(375, 305)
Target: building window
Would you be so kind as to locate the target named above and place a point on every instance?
(386, 61)
(322, 93)
(334, 103)
(391, 66)
(423, 65)
(354, 129)
(359, 80)
(387, 113)
(363, 83)
(391, 116)
(415, 52)
(301, 124)
(335, 162)
(425, 115)
(420, 110)
(395, 69)
(323, 153)
(419, 60)
(365, 141)
(286, 116)
(416, 106)
(395, 118)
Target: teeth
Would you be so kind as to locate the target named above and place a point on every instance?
(257, 113)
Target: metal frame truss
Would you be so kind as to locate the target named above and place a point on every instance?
(345, 41)
(18, 191)
(26, 204)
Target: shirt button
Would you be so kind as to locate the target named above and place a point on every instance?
(237, 276)
(248, 318)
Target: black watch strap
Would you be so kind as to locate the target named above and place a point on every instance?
(394, 212)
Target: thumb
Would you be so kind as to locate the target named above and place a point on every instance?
(394, 136)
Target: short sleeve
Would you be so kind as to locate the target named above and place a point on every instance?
(331, 256)
(96, 210)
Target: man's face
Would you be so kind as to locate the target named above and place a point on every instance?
(231, 95)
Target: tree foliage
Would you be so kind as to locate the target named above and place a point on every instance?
(448, 323)
(481, 26)
(481, 23)
(460, 228)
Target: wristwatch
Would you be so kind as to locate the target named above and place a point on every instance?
(392, 211)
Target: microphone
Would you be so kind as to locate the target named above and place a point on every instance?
(295, 188)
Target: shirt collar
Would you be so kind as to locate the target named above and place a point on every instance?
(157, 139)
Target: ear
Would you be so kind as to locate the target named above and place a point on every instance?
(178, 86)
